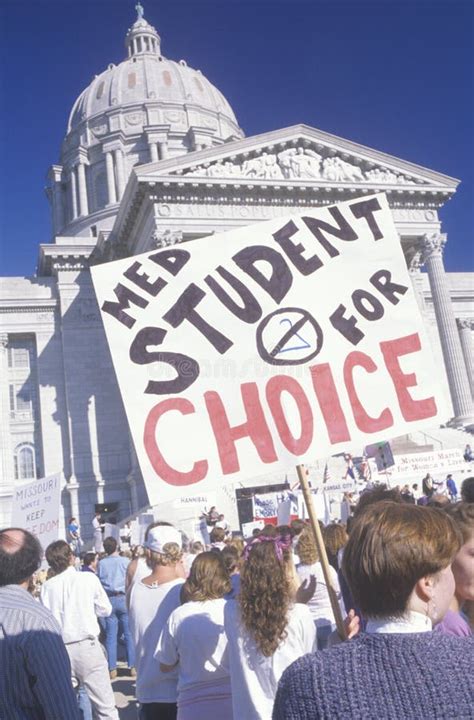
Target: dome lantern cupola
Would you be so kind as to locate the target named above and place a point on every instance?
(142, 37)
(143, 110)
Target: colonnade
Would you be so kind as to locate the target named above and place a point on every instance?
(455, 341)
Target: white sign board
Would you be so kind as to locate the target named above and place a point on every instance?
(437, 463)
(36, 507)
(111, 530)
(249, 527)
(247, 352)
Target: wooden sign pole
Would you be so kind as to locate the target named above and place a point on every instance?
(323, 558)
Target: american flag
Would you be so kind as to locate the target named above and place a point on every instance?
(327, 474)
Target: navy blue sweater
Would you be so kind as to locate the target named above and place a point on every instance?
(417, 676)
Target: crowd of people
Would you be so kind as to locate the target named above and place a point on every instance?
(245, 629)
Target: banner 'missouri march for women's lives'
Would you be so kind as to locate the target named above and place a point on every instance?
(261, 347)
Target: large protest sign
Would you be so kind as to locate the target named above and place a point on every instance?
(36, 506)
(253, 350)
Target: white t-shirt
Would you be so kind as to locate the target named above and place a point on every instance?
(194, 635)
(150, 608)
(76, 600)
(320, 604)
(255, 677)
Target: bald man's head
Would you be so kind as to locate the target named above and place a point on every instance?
(20, 556)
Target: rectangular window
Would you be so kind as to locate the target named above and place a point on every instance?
(20, 353)
(23, 399)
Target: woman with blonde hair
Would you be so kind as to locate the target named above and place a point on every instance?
(319, 604)
(152, 600)
(266, 630)
(335, 537)
(194, 642)
(398, 564)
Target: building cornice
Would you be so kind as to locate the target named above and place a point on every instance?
(226, 191)
(28, 306)
(53, 258)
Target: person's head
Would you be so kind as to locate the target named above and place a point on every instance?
(90, 560)
(269, 531)
(231, 558)
(398, 556)
(20, 556)
(463, 564)
(110, 545)
(72, 520)
(284, 530)
(335, 537)
(438, 501)
(467, 490)
(256, 532)
(265, 594)
(236, 542)
(221, 516)
(415, 486)
(163, 545)
(208, 579)
(217, 535)
(297, 526)
(196, 547)
(59, 556)
(377, 494)
(306, 547)
(97, 514)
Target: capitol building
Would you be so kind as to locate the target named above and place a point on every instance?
(153, 155)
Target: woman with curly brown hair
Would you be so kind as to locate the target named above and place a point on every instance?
(194, 642)
(266, 631)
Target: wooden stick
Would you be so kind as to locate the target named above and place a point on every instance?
(323, 558)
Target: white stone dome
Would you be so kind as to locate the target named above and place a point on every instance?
(143, 110)
(148, 77)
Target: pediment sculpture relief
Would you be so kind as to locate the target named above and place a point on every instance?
(299, 163)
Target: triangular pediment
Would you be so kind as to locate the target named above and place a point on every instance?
(302, 155)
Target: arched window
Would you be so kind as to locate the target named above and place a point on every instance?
(25, 463)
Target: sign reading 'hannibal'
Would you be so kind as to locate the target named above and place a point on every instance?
(264, 346)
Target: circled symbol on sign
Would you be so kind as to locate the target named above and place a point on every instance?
(289, 336)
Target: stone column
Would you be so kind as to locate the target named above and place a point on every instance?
(109, 163)
(73, 193)
(133, 477)
(55, 175)
(450, 342)
(163, 149)
(58, 206)
(81, 176)
(120, 172)
(465, 328)
(6, 453)
(153, 151)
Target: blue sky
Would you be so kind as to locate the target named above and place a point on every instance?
(396, 75)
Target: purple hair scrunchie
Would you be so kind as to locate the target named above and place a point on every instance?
(280, 542)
